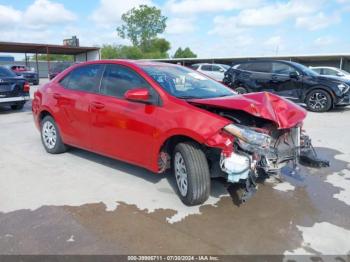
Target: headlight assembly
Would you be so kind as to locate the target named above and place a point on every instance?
(342, 87)
(249, 136)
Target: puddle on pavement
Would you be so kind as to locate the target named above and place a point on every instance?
(269, 223)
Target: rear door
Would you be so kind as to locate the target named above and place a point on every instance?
(73, 96)
(259, 77)
(286, 81)
(120, 128)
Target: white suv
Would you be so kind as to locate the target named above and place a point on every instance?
(331, 71)
(215, 71)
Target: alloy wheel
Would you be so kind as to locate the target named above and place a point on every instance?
(49, 135)
(318, 101)
(181, 174)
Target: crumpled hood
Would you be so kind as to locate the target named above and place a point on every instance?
(281, 111)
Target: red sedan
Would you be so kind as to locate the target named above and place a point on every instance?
(160, 116)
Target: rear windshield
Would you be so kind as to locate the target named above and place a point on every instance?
(4, 72)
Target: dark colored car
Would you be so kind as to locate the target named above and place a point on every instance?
(161, 116)
(14, 90)
(58, 68)
(28, 74)
(290, 80)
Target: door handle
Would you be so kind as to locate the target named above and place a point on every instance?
(56, 96)
(97, 105)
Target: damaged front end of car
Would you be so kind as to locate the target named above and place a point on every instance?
(265, 135)
(264, 152)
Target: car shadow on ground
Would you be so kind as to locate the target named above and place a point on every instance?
(6, 110)
(218, 187)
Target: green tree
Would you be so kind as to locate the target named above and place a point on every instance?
(120, 51)
(43, 57)
(142, 25)
(157, 48)
(184, 53)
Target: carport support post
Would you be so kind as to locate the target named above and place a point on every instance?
(36, 63)
(341, 63)
(26, 58)
(48, 60)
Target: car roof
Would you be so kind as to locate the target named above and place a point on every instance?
(328, 67)
(129, 62)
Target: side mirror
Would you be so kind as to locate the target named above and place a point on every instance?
(294, 75)
(221, 70)
(138, 95)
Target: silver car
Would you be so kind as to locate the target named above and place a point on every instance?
(215, 71)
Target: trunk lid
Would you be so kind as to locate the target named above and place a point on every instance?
(10, 86)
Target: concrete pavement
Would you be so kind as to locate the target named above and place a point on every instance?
(83, 203)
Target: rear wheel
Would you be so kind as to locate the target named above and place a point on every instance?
(319, 101)
(51, 137)
(191, 173)
(17, 106)
(241, 90)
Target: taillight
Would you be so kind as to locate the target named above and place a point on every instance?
(26, 87)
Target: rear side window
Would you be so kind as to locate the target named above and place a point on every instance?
(282, 69)
(84, 78)
(195, 67)
(119, 79)
(261, 67)
(206, 67)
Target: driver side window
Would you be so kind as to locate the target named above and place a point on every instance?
(117, 80)
(282, 69)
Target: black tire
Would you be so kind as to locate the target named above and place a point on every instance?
(198, 175)
(18, 106)
(241, 90)
(318, 100)
(58, 146)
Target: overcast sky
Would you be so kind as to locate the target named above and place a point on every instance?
(211, 28)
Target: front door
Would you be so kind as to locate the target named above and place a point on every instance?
(120, 128)
(286, 81)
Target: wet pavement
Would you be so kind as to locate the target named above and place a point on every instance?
(83, 203)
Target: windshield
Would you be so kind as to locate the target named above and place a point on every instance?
(227, 67)
(185, 83)
(343, 72)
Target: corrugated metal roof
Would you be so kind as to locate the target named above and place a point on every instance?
(13, 47)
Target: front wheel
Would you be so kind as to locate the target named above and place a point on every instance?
(192, 174)
(318, 101)
(51, 137)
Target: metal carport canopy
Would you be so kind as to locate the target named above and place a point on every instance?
(48, 49)
(13, 47)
